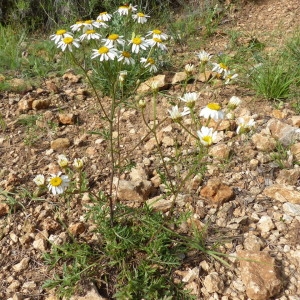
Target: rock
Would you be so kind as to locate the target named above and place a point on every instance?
(40, 244)
(295, 149)
(71, 77)
(263, 143)
(91, 294)
(52, 87)
(25, 103)
(146, 86)
(220, 151)
(258, 273)
(295, 121)
(67, 119)
(291, 209)
(50, 225)
(138, 173)
(285, 133)
(91, 151)
(289, 177)
(204, 77)
(60, 144)
(159, 203)
(191, 275)
(217, 192)
(30, 285)
(213, 283)
(4, 209)
(77, 228)
(279, 114)
(253, 243)
(265, 224)
(179, 77)
(282, 193)
(41, 104)
(133, 190)
(22, 265)
(13, 286)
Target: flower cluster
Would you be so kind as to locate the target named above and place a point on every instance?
(58, 183)
(212, 110)
(111, 45)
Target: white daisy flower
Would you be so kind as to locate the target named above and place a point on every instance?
(113, 39)
(207, 136)
(176, 115)
(190, 99)
(105, 53)
(76, 27)
(90, 34)
(78, 163)
(39, 180)
(234, 102)
(189, 68)
(213, 111)
(59, 35)
(204, 56)
(87, 25)
(220, 68)
(156, 33)
(122, 75)
(126, 58)
(104, 16)
(100, 24)
(58, 183)
(245, 124)
(156, 42)
(62, 161)
(138, 43)
(149, 63)
(68, 42)
(125, 9)
(140, 17)
(228, 77)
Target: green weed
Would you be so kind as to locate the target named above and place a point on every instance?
(272, 80)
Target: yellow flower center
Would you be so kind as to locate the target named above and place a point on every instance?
(137, 40)
(123, 7)
(126, 54)
(140, 14)
(214, 106)
(156, 31)
(113, 37)
(91, 31)
(207, 139)
(68, 40)
(223, 66)
(157, 40)
(88, 22)
(103, 50)
(56, 181)
(79, 22)
(60, 32)
(103, 13)
(151, 61)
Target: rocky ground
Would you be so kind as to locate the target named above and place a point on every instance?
(250, 199)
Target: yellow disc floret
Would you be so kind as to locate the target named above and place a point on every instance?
(113, 36)
(103, 50)
(126, 54)
(137, 40)
(61, 32)
(56, 181)
(214, 106)
(68, 40)
(156, 31)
